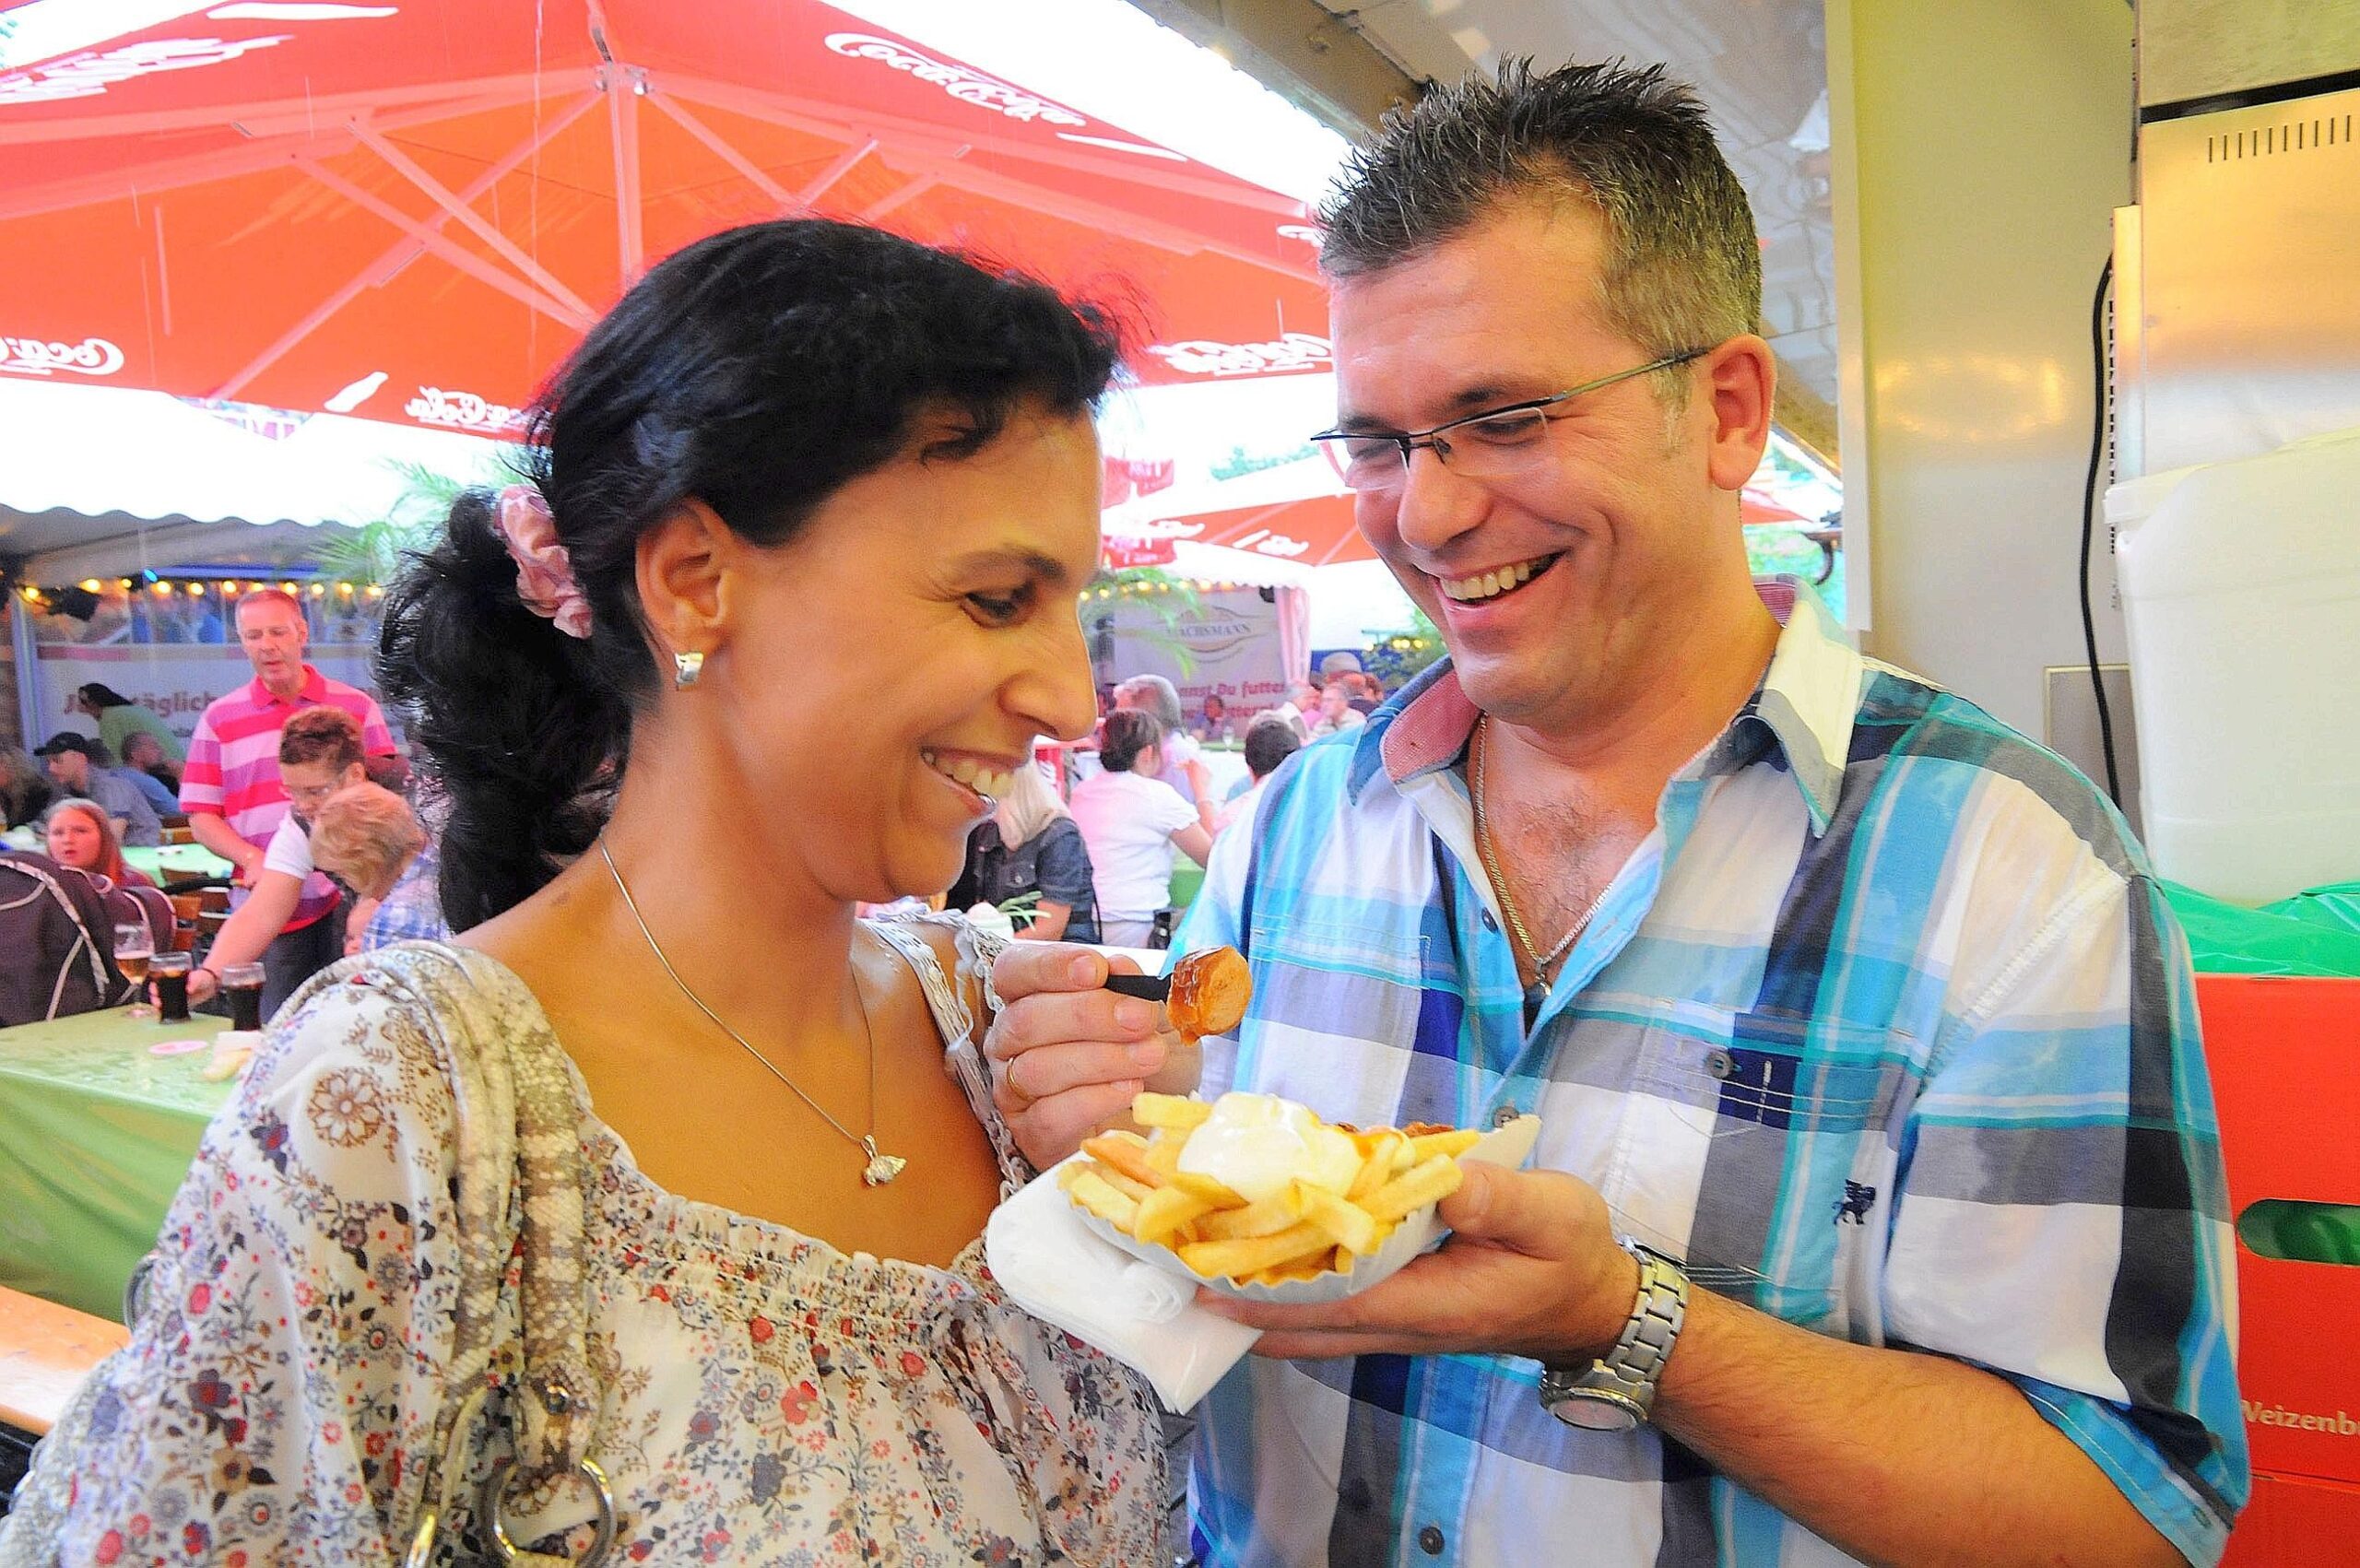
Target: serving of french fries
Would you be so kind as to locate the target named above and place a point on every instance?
(1301, 1230)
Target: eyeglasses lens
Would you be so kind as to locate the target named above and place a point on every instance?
(1490, 448)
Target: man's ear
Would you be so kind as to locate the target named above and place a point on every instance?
(683, 578)
(1740, 381)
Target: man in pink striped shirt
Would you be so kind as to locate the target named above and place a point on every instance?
(231, 789)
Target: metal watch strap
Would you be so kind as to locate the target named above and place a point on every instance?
(1625, 1377)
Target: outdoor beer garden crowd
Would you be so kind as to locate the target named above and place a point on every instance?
(771, 632)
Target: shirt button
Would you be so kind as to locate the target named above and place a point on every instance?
(1721, 1065)
(1491, 921)
(1430, 1542)
(1504, 1115)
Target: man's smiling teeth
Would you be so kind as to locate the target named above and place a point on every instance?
(1491, 585)
(968, 771)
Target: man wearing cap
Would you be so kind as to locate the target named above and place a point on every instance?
(79, 766)
(231, 787)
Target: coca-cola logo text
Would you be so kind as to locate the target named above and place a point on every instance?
(1201, 356)
(1160, 528)
(1267, 541)
(37, 357)
(970, 86)
(462, 410)
(89, 74)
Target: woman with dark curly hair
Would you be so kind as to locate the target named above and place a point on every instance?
(803, 473)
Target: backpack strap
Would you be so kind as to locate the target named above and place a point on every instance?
(126, 900)
(85, 948)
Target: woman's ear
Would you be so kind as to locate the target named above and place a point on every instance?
(683, 572)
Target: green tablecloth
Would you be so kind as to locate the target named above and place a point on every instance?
(95, 1137)
(177, 860)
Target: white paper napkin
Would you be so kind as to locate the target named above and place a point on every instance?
(1051, 1265)
(233, 1049)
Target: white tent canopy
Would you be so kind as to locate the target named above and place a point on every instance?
(101, 480)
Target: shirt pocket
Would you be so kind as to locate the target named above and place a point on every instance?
(1758, 1149)
(1343, 1022)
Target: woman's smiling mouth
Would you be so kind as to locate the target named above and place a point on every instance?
(976, 776)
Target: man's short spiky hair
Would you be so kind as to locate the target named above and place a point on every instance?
(1683, 269)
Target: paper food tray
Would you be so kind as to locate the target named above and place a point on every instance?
(1420, 1230)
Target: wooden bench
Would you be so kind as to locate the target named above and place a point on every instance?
(45, 1352)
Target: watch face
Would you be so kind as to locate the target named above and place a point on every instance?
(1593, 1413)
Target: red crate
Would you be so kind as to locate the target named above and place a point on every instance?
(2295, 1522)
(2284, 1055)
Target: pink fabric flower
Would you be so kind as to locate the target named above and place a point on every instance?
(544, 573)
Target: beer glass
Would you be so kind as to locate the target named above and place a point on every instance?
(133, 948)
(169, 971)
(242, 987)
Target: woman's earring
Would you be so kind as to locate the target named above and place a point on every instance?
(686, 668)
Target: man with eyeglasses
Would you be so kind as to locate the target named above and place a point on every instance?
(1877, 1213)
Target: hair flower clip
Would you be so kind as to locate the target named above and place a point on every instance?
(544, 572)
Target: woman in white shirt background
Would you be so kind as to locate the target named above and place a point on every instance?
(1131, 821)
(1184, 767)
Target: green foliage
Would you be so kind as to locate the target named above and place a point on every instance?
(1173, 601)
(1174, 598)
(372, 553)
(1397, 656)
(1239, 463)
(1782, 551)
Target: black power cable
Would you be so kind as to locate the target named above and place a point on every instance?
(2089, 523)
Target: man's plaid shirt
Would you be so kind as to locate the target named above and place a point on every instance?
(1885, 1030)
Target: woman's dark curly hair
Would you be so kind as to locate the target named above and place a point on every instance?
(758, 371)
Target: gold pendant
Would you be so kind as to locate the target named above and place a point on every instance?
(881, 1168)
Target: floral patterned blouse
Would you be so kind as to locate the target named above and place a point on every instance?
(764, 1398)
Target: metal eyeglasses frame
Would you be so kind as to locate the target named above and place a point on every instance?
(1433, 439)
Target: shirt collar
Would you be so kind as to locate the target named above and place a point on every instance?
(315, 690)
(1807, 704)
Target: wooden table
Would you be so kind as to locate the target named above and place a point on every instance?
(96, 1134)
(45, 1352)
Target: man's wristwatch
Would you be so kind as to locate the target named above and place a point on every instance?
(1615, 1392)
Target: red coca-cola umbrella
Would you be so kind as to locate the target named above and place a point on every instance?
(1313, 530)
(411, 210)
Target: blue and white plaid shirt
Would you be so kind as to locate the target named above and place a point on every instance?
(1885, 1031)
(412, 910)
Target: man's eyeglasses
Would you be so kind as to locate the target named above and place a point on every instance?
(1492, 444)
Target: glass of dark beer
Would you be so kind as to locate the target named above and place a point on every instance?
(133, 948)
(241, 985)
(170, 972)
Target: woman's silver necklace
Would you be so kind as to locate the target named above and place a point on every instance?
(881, 1168)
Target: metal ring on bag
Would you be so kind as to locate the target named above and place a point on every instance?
(488, 1510)
(421, 1544)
